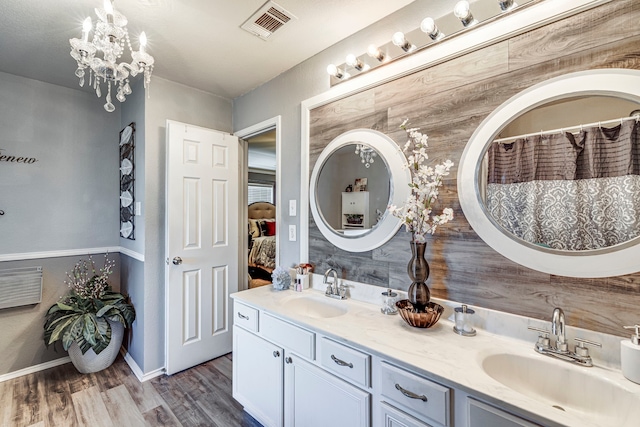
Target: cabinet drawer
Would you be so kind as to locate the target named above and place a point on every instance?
(245, 316)
(416, 395)
(345, 362)
(288, 335)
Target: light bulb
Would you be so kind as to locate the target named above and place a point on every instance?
(354, 62)
(428, 25)
(463, 12)
(334, 71)
(374, 52)
(143, 41)
(86, 28)
(399, 40)
(108, 8)
(462, 9)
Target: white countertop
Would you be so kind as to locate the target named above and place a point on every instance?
(439, 353)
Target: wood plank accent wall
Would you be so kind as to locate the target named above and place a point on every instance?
(448, 101)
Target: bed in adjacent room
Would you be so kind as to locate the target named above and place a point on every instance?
(262, 243)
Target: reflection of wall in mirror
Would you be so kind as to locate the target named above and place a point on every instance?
(569, 112)
(329, 193)
(351, 168)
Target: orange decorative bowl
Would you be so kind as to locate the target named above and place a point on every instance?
(425, 319)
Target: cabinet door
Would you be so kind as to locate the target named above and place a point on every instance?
(483, 415)
(258, 377)
(392, 417)
(315, 398)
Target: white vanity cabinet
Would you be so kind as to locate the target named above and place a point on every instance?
(278, 380)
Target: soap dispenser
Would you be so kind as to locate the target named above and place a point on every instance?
(630, 355)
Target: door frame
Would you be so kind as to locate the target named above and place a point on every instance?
(266, 125)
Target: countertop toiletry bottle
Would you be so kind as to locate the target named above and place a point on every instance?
(630, 355)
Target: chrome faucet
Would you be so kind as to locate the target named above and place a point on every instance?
(333, 289)
(558, 330)
(560, 349)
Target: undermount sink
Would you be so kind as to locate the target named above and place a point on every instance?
(316, 307)
(566, 387)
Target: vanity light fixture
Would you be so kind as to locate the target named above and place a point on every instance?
(366, 154)
(336, 72)
(110, 38)
(507, 5)
(462, 11)
(428, 25)
(355, 62)
(375, 52)
(400, 40)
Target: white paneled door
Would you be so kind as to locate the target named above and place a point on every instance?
(201, 243)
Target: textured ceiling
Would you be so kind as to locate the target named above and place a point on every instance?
(198, 43)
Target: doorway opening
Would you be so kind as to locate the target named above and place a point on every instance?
(260, 179)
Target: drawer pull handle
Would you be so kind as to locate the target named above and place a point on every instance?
(276, 353)
(411, 394)
(288, 360)
(341, 362)
(242, 316)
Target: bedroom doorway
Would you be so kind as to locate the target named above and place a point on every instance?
(261, 202)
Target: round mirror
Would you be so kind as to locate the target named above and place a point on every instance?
(516, 199)
(356, 177)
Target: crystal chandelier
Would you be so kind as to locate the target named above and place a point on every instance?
(109, 38)
(366, 154)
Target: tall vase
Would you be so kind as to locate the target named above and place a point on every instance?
(418, 270)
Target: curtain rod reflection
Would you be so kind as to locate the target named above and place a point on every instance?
(577, 128)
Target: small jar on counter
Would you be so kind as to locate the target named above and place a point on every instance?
(464, 321)
(389, 302)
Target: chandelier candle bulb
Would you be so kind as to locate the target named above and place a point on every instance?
(143, 42)
(86, 28)
(108, 8)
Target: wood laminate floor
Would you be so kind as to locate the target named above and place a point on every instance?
(61, 397)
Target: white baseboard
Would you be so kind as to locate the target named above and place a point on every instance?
(142, 377)
(34, 369)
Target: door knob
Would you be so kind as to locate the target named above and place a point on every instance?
(177, 260)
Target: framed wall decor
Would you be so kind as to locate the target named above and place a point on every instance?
(127, 178)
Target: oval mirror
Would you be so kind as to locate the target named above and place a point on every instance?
(496, 191)
(355, 178)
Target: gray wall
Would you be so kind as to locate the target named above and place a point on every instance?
(283, 95)
(132, 277)
(67, 200)
(173, 101)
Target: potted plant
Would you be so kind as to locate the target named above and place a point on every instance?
(90, 319)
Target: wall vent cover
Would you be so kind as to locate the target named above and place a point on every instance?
(267, 20)
(20, 286)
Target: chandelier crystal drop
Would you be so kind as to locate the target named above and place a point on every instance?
(366, 153)
(110, 39)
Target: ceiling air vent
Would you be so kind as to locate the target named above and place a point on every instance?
(269, 18)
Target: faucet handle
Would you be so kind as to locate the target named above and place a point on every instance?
(583, 351)
(542, 333)
(543, 337)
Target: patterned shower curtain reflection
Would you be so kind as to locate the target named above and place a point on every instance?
(568, 191)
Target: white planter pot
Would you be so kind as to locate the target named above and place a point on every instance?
(92, 362)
